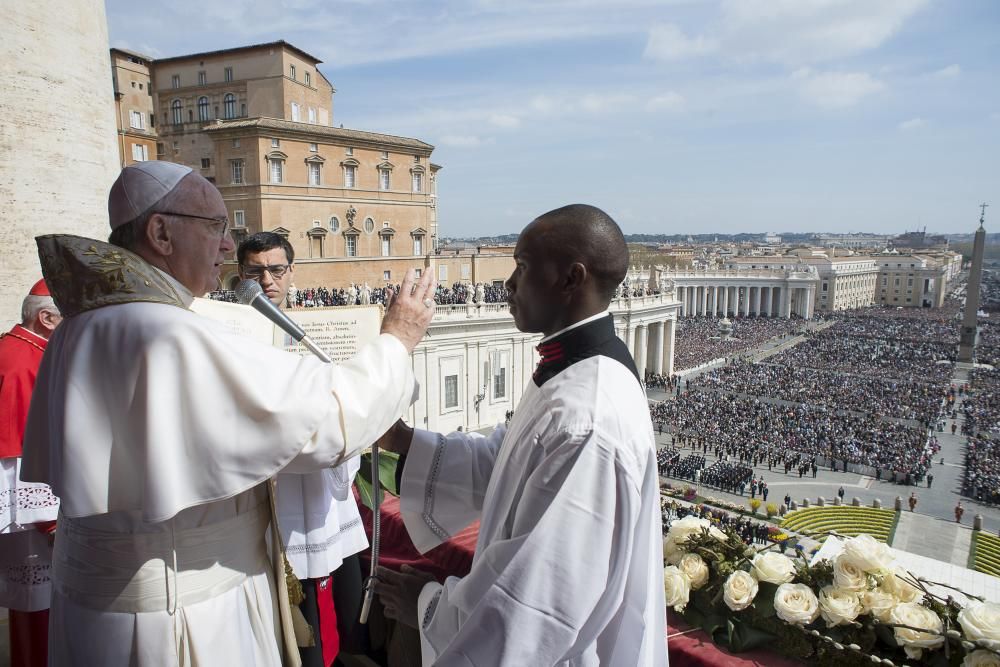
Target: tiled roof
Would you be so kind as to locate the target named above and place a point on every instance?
(237, 49)
(344, 134)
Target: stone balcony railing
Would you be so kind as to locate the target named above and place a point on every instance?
(742, 274)
(463, 311)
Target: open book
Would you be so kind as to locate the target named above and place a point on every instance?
(339, 331)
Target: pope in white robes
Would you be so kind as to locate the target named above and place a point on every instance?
(568, 566)
(159, 430)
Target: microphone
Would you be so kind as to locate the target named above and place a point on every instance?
(249, 293)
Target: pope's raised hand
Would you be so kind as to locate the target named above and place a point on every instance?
(410, 310)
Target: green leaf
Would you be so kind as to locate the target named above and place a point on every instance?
(743, 636)
(763, 604)
(886, 635)
(387, 463)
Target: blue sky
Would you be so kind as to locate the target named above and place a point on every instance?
(682, 116)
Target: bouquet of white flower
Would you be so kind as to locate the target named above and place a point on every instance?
(859, 609)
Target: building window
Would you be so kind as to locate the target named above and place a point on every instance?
(499, 375)
(386, 248)
(276, 170)
(349, 151)
(202, 78)
(383, 179)
(334, 223)
(243, 110)
(202, 108)
(175, 112)
(237, 169)
(229, 106)
(418, 245)
(350, 172)
(352, 246)
(387, 276)
(385, 155)
(239, 219)
(418, 182)
(824, 287)
(314, 173)
(140, 153)
(451, 391)
(149, 88)
(275, 143)
(236, 143)
(152, 120)
(137, 120)
(206, 163)
(228, 74)
(175, 81)
(296, 116)
(369, 225)
(291, 72)
(312, 115)
(313, 148)
(442, 273)
(416, 159)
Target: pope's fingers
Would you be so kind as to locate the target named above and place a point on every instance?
(407, 286)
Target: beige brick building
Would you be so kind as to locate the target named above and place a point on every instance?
(912, 281)
(257, 121)
(134, 115)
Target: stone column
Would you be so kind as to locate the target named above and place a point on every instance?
(725, 301)
(809, 304)
(670, 331)
(786, 301)
(658, 336)
(640, 349)
(57, 121)
(715, 300)
(767, 302)
(704, 301)
(746, 301)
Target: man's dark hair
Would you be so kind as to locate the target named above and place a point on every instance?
(262, 242)
(586, 234)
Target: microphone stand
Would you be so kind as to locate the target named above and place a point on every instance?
(370, 582)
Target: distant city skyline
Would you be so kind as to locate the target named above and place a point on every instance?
(677, 117)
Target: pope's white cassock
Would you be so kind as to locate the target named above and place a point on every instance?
(158, 429)
(568, 567)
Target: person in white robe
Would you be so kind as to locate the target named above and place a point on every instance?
(160, 430)
(317, 515)
(568, 565)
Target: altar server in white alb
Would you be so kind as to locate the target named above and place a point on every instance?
(159, 430)
(568, 567)
(318, 517)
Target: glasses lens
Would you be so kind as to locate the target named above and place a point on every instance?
(256, 272)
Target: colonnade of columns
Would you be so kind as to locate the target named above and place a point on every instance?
(651, 345)
(745, 300)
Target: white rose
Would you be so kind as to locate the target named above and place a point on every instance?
(867, 553)
(676, 587)
(897, 583)
(916, 616)
(694, 567)
(838, 606)
(774, 568)
(980, 621)
(796, 603)
(878, 603)
(739, 590)
(848, 576)
(981, 658)
(671, 552)
(717, 534)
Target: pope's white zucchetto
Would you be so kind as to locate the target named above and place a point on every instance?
(141, 185)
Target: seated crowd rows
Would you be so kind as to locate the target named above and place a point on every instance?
(903, 399)
(982, 426)
(698, 340)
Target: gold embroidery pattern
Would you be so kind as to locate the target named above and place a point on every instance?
(83, 274)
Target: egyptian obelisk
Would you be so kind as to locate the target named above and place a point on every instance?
(970, 328)
(58, 155)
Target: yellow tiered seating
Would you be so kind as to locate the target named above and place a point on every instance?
(846, 520)
(985, 553)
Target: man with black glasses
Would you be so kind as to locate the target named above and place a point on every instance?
(317, 514)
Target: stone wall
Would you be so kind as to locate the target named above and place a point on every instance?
(58, 155)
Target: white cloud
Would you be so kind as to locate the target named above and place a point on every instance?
(669, 101)
(837, 90)
(949, 72)
(463, 141)
(504, 120)
(912, 124)
(608, 103)
(668, 42)
(796, 32)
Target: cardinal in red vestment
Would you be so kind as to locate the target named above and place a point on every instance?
(27, 510)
